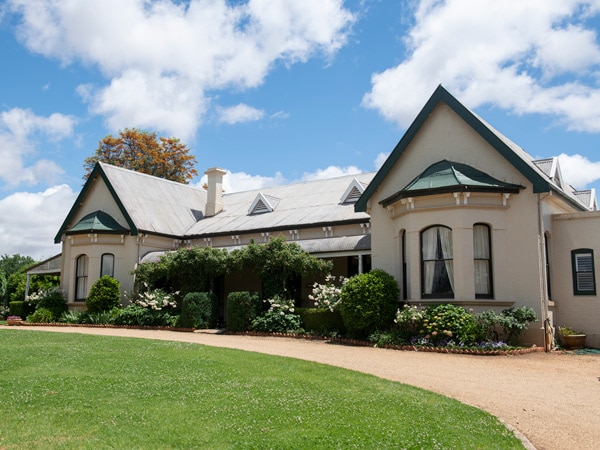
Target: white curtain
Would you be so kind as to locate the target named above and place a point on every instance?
(446, 241)
(429, 243)
(481, 250)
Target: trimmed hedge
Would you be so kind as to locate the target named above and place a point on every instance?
(242, 308)
(18, 308)
(321, 321)
(199, 310)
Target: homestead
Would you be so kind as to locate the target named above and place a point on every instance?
(458, 213)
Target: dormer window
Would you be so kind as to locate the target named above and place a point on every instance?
(353, 192)
(263, 204)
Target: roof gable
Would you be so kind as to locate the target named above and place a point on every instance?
(96, 172)
(353, 192)
(510, 151)
(263, 204)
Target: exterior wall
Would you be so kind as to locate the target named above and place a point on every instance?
(517, 250)
(582, 312)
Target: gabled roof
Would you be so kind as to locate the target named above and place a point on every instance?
(148, 204)
(448, 176)
(97, 222)
(508, 149)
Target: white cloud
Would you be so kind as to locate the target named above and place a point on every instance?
(240, 113)
(241, 181)
(163, 58)
(578, 170)
(31, 220)
(19, 129)
(330, 172)
(510, 54)
(380, 159)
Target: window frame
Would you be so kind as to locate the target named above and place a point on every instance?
(112, 265)
(489, 259)
(450, 277)
(81, 276)
(576, 272)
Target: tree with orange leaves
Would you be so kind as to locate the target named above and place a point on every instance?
(143, 152)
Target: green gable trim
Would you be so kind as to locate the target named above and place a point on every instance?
(442, 95)
(448, 176)
(97, 171)
(97, 222)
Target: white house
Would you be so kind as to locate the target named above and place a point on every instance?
(457, 213)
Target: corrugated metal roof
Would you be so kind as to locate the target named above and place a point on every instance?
(154, 204)
(301, 204)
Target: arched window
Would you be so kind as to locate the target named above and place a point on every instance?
(437, 265)
(107, 265)
(482, 253)
(584, 278)
(81, 274)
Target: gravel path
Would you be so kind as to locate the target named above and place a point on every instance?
(553, 399)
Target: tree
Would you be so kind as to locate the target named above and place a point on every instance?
(11, 269)
(143, 152)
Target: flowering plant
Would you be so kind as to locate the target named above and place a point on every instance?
(156, 299)
(279, 318)
(14, 318)
(328, 295)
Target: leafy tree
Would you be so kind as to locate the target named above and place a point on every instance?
(144, 152)
(12, 264)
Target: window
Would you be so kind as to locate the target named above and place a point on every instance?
(107, 265)
(482, 254)
(437, 266)
(584, 279)
(81, 272)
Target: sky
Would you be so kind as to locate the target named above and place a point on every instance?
(278, 91)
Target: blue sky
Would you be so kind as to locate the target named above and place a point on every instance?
(278, 91)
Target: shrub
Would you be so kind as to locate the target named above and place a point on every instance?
(515, 320)
(41, 315)
(328, 295)
(409, 320)
(321, 321)
(279, 318)
(490, 324)
(369, 301)
(71, 317)
(54, 300)
(18, 308)
(447, 322)
(198, 310)
(105, 294)
(137, 315)
(242, 308)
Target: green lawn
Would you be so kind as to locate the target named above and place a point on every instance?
(79, 391)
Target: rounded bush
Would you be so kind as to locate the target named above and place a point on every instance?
(369, 303)
(104, 295)
(447, 322)
(41, 315)
(55, 301)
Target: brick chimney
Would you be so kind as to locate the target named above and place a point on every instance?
(214, 199)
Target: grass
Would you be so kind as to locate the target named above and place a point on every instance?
(79, 391)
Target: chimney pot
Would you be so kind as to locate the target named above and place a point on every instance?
(214, 197)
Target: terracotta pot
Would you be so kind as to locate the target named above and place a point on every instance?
(14, 321)
(574, 341)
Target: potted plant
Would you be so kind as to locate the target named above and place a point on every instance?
(14, 320)
(572, 339)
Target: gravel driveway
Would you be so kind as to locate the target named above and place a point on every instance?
(553, 399)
